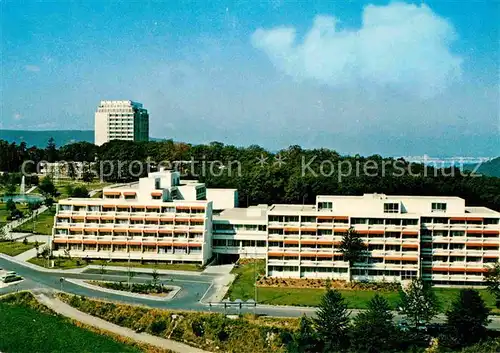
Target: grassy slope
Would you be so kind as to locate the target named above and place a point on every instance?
(14, 248)
(43, 223)
(243, 288)
(23, 329)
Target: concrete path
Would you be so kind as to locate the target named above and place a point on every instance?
(221, 283)
(25, 256)
(10, 226)
(40, 238)
(31, 189)
(68, 311)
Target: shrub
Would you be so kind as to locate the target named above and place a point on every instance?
(207, 331)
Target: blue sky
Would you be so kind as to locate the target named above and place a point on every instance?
(382, 77)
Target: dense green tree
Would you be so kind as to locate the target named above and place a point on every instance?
(71, 171)
(374, 330)
(49, 202)
(47, 186)
(332, 320)
(10, 205)
(299, 180)
(80, 191)
(305, 339)
(352, 248)
(468, 317)
(493, 282)
(51, 153)
(418, 303)
(78, 152)
(87, 174)
(10, 189)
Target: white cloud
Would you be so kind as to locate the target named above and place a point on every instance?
(398, 46)
(17, 116)
(32, 68)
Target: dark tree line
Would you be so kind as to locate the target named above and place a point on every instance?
(291, 175)
(375, 331)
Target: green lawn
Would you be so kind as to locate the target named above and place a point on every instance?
(41, 224)
(159, 266)
(65, 263)
(24, 329)
(243, 288)
(62, 184)
(14, 248)
(4, 213)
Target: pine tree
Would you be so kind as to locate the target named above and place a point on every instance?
(352, 247)
(305, 339)
(374, 329)
(468, 317)
(332, 320)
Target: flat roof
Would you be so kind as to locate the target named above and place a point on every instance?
(384, 196)
(295, 208)
(253, 213)
(134, 202)
(481, 210)
(133, 185)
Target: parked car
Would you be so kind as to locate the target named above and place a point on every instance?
(9, 277)
(403, 326)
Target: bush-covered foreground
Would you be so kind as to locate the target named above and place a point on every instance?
(215, 332)
(140, 288)
(210, 331)
(28, 326)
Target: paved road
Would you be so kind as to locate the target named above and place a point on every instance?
(194, 288)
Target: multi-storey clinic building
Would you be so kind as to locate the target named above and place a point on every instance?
(120, 120)
(159, 218)
(436, 238)
(165, 219)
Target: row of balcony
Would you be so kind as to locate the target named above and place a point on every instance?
(193, 256)
(128, 226)
(127, 213)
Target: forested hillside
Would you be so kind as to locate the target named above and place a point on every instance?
(490, 168)
(292, 175)
(39, 138)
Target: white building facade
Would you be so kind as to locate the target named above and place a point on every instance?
(120, 120)
(162, 218)
(159, 218)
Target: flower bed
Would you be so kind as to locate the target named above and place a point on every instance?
(321, 283)
(139, 288)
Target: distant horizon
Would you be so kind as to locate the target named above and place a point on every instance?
(368, 77)
(274, 150)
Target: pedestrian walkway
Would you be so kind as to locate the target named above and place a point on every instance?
(10, 226)
(221, 283)
(66, 310)
(25, 256)
(31, 189)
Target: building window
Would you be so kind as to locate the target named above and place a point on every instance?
(391, 207)
(325, 205)
(438, 207)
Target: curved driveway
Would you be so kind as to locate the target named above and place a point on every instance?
(193, 289)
